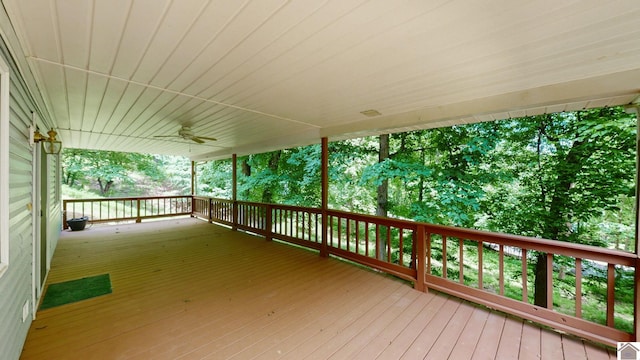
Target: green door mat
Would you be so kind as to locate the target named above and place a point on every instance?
(76, 290)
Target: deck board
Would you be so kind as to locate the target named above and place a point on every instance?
(186, 289)
(468, 340)
(487, 345)
(510, 340)
(530, 345)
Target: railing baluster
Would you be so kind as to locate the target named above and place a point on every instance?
(461, 260)
(339, 233)
(378, 251)
(366, 238)
(357, 225)
(501, 269)
(401, 247)
(348, 231)
(428, 266)
(444, 256)
(549, 281)
(578, 288)
(611, 285)
(291, 223)
(480, 265)
(330, 240)
(388, 244)
(525, 295)
(420, 255)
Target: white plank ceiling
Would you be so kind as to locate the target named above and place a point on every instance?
(267, 74)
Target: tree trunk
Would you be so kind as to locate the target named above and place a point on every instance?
(383, 196)
(101, 186)
(104, 186)
(540, 284)
(107, 187)
(246, 168)
(556, 227)
(274, 160)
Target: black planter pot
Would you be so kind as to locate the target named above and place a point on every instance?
(78, 224)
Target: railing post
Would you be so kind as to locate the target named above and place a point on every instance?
(324, 174)
(636, 301)
(421, 255)
(193, 205)
(234, 190)
(635, 109)
(138, 218)
(235, 216)
(268, 226)
(64, 215)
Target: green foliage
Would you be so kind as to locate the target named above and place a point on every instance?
(214, 179)
(566, 176)
(103, 170)
(569, 168)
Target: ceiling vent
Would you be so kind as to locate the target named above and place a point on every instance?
(370, 113)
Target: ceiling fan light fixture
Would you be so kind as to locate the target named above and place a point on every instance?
(186, 133)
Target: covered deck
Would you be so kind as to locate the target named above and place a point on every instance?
(187, 289)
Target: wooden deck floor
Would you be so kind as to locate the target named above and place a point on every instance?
(185, 289)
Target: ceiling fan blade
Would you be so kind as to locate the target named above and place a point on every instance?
(207, 138)
(197, 140)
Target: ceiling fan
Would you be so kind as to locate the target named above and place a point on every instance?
(186, 133)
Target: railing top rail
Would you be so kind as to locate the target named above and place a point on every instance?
(530, 243)
(407, 224)
(544, 245)
(129, 198)
(298, 208)
(212, 198)
(278, 206)
(253, 203)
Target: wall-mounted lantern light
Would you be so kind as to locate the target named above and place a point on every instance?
(50, 145)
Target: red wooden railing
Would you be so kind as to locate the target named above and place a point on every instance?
(447, 259)
(126, 209)
(443, 238)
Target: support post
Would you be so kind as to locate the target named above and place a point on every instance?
(65, 226)
(234, 190)
(635, 109)
(193, 187)
(324, 171)
(193, 178)
(138, 218)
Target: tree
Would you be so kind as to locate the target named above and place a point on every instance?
(106, 167)
(383, 193)
(568, 168)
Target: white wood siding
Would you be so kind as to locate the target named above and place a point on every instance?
(16, 285)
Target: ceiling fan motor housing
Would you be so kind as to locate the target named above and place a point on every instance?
(185, 132)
